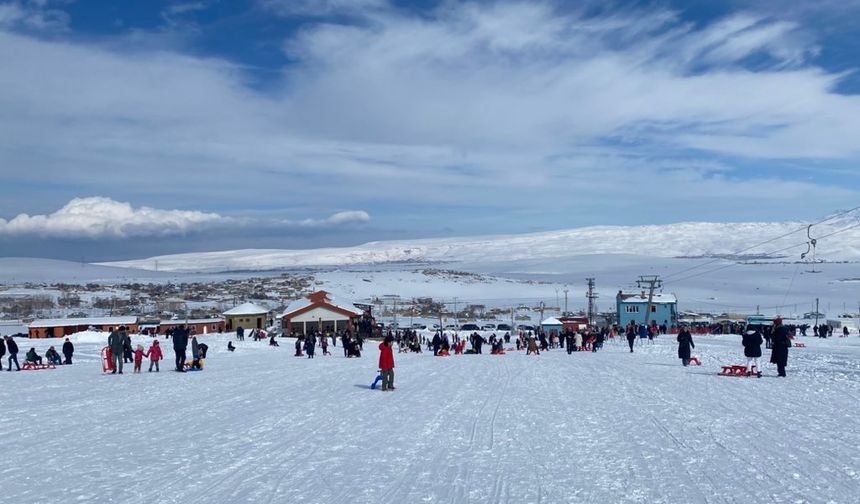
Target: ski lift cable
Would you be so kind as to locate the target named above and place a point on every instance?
(771, 240)
(839, 231)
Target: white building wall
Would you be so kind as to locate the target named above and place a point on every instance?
(316, 314)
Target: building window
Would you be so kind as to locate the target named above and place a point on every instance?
(631, 309)
(653, 308)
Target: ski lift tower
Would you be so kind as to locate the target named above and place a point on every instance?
(653, 282)
(591, 296)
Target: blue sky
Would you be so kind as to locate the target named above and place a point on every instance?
(137, 128)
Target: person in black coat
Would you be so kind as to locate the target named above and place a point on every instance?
(68, 351)
(631, 335)
(310, 345)
(126, 350)
(752, 341)
(2, 351)
(12, 348)
(780, 345)
(180, 344)
(685, 343)
(437, 342)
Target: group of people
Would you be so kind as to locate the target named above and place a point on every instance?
(8, 345)
(779, 337)
(121, 351)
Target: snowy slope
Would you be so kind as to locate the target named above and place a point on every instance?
(29, 269)
(689, 239)
(259, 425)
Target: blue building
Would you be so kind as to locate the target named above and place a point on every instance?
(664, 308)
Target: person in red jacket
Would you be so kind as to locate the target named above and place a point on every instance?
(138, 358)
(154, 353)
(386, 363)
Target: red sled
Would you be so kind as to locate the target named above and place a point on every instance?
(32, 366)
(695, 360)
(733, 371)
(107, 361)
(800, 345)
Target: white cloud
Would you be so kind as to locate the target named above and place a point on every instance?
(98, 217)
(339, 218)
(320, 7)
(32, 15)
(504, 107)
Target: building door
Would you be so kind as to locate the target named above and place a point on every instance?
(259, 323)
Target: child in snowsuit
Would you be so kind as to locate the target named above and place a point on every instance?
(154, 353)
(138, 358)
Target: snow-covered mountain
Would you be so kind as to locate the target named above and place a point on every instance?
(687, 239)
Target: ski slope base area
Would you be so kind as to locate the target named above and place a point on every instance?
(262, 426)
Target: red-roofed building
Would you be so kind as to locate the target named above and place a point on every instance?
(320, 311)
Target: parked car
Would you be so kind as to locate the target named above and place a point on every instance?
(418, 326)
(470, 327)
(526, 328)
(450, 327)
(489, 327)
(503, 327)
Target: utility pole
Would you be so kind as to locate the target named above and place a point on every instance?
(591, 296)
(565, 299)
(395, 312)
(541, 312)
(816, 311)
(653, 282)
(456, 317)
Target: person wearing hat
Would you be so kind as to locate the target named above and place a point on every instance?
(68, 351)
(780, 343)
(386, 363)
(752, 341)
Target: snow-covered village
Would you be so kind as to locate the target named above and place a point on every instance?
(396, 251)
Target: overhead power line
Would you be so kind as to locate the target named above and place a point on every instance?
(770, 240)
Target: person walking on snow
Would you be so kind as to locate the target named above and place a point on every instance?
(12, 348)
(180, 345)
(310, 345)
(138, 358)
(437, 342)
(68, 351)
(154, 353)
(752, 341)
(631, 335)
(116, 343)
(780, 343)
(685, 343)
(3, 352)
(386, 364)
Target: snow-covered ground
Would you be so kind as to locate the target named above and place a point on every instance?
(260, 425)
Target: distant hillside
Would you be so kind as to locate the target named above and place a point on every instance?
(688, 239)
